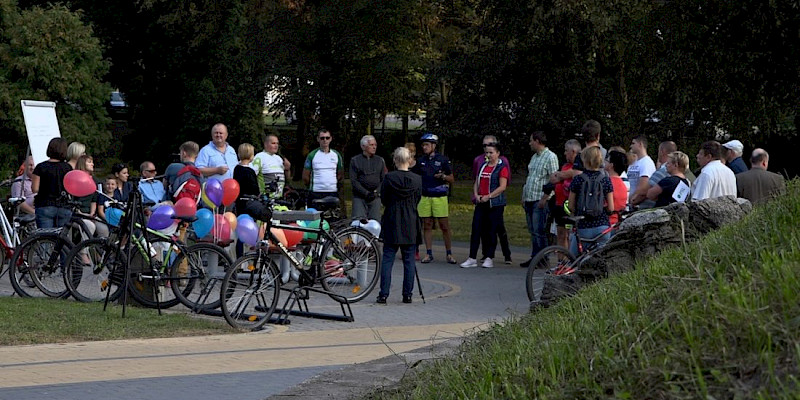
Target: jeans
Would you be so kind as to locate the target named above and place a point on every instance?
(52, 217)
(485, 223)
(409, 267)
(536, 219)
(588, 233)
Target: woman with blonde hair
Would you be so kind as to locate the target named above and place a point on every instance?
(594, 222)
(74, 151)
(677, 163)
(401, 230)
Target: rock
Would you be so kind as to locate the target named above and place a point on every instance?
(644, 234)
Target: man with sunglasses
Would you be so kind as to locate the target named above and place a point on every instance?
(323, 170)
(491, 140)
(152, 190)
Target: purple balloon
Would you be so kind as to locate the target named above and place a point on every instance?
(247, 230)
(214, 191)
(161, 217)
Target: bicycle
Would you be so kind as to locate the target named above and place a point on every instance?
(38, 261)
(345, 263)
(163, 270)
(14, 227)
(559, 261)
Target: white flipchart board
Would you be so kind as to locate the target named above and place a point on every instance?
(42, 126)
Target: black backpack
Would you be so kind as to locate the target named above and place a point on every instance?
(591, 200)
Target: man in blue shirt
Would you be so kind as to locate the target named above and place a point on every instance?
(217, 159)
(436, 176)
(152, 190)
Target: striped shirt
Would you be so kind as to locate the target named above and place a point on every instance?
(542, 165)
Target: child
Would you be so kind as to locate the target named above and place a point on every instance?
(106, 198)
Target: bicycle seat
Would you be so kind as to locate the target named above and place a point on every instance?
(25, 219)
(325, 203)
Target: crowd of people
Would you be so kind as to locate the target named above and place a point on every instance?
(414, 196)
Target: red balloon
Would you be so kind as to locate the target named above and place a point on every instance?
(221, 229)
(79, 183)
(185, 207)
(293, 237)
(230, 191)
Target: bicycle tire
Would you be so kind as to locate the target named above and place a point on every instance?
(31, 267)
(250, 290)
(546, 259)
(196, 275)
(350, 266)
(140, 284)
(88, 271)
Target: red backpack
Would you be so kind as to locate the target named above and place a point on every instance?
(191, 188)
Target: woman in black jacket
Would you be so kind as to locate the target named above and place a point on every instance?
(401, 191)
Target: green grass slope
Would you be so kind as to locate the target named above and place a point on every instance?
(714, 319)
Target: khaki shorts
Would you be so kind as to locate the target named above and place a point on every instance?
(436, 207)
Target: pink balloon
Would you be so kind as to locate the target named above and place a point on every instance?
(221, 229)
(185, 207)
(79, 183)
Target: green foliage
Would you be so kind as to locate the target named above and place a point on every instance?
(50, 54)
(714, 319)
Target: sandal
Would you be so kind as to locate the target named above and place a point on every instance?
(451, 259)
(428, 258)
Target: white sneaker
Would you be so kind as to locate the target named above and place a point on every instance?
(488, 263)
(470, 263)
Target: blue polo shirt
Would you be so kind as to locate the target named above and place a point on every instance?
(427, 167)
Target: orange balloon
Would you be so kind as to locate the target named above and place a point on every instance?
(231, 218)
(293, 237)
(230, 191)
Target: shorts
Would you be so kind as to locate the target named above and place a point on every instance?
(436, 207)
(558, 214)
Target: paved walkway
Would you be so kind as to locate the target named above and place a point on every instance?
(258, 365)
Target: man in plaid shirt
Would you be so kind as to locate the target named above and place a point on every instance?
(543, 163)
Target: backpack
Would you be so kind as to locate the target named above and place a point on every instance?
(591, 202)
(191, 187)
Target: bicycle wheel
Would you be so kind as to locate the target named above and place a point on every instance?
(88, 271)
(38, 264)
(548, 259)
(196, 275)
(350, 265)
(148, 272)
(249, 291)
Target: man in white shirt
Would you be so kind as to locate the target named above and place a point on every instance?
(271, 167)
(217, 159)
(639, 172)
(323, 169)
(715, 178)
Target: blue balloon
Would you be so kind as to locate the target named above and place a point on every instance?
(311, 210)
(113, 215)
(205, 221)
(161, 217)
(243, 216)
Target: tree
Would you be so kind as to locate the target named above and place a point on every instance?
(50, 54)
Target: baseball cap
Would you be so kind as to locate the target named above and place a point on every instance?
(734, 145)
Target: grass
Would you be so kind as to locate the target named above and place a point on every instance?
(717, 318)
(41, 320)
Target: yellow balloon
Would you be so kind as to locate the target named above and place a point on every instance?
(205, 198)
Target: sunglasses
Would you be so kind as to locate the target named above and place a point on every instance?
(150, 170)
(324, 138)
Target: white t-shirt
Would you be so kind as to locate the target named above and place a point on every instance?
(643, 167)
(324, 166)
(715, 180)
(271, 167)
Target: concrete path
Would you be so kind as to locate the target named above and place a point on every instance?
(281, 358)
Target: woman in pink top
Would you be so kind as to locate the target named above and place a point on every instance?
(616, 162)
